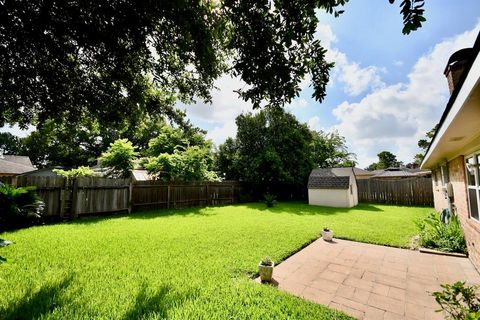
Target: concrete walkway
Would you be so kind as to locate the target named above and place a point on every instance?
(369, 281)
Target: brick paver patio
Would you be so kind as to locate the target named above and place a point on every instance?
(369, 281)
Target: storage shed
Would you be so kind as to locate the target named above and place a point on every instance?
(333, 187)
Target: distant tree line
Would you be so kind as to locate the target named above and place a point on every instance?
(271, 152)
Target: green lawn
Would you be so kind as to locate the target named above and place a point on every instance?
(184, 264)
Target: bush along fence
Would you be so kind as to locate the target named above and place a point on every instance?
(409, 191)
(70, 198)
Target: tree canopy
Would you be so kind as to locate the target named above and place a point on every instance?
(180, 155)
(117, 60)
(386, 159)
(423, 144)
(119, 158)
(10, 144)
(330, 150)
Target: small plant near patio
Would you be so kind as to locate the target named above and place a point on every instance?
(443, 236)
(19, 207)
(327, 234)
(266, 261)
(459, 301)
(4, 243)
(265, 268)
(270, 200)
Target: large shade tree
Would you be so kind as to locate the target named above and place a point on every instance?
(273, 152)
(59, 144)
(64, 60)
(10, 144)
(386, 159)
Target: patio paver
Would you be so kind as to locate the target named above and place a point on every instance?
(370, 281)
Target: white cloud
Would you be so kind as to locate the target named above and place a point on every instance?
(395, 117)
(15, 130)
(226, 104)
(325, 33)
(314, 123)
(398, 63)
(355, 78)
(221, 113)
(299, 103)
(221, 132)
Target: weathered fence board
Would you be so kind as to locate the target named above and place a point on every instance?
(149, 195)
(410, 191)
(100, 195)
(70, 198)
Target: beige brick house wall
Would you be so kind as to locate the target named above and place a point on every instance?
(456, 169)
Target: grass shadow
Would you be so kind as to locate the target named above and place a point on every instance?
(301, 208)
(155, 305)
(184, 212)
(293, 207)
(38, 304)
(149, 214)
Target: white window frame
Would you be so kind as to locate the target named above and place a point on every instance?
(445, 174)
(476, 187)
(434, 176)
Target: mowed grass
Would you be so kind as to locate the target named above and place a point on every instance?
(179, 264)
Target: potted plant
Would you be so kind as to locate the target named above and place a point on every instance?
(327, 234)
(265, 268)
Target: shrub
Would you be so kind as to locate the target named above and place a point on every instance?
(119, 158)
(459, 301)
(266, 262)
(270, 200)
(19, 207)
(444, 236)
(74, 173)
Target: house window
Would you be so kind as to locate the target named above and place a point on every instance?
(445, 177)
(473, 184)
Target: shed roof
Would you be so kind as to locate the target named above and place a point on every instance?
(24, 160)
(330, 178)
(394, 174)
(399, 172)
(8, 167)
(141, 175)
(361, 172)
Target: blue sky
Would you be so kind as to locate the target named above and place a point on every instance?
(386, 90)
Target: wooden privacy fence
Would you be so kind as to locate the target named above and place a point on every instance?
(70, 198)
(409, 191)
(148, 195)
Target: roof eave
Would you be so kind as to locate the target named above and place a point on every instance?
(465, 86)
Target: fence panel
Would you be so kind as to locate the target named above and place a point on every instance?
(70, 198)
(100, 195)
(150, 195)
(410, 191)
(50, 189)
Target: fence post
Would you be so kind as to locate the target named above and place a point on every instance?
(208, 194)
(74, 198)
(62, 197)
(130, 199)
(233, 194)
(168, 196)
